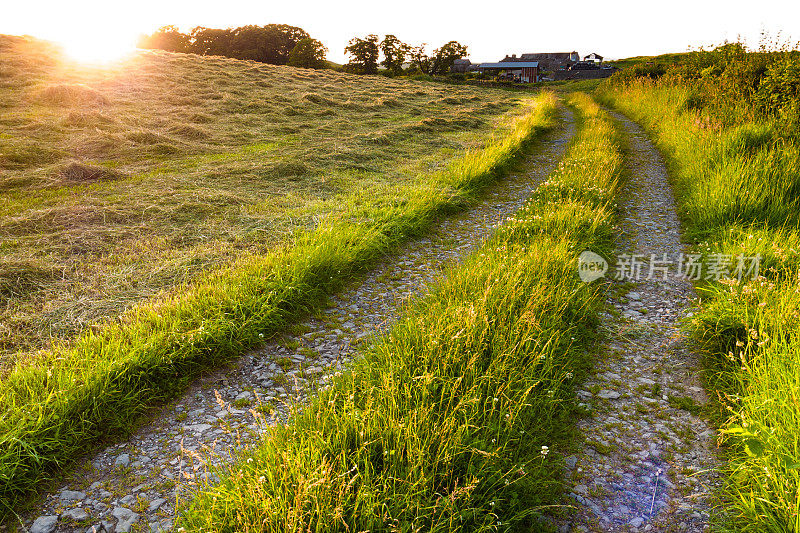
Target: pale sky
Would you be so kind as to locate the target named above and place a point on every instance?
(614, 29)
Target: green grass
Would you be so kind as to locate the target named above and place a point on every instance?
(123, 182)
(454, 420)
(56, 402)
(738, 187)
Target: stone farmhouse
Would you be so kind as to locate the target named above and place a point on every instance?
(548, 61)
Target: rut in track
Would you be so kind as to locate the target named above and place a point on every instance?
(137, 483)
(648, 463)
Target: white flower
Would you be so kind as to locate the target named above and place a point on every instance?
(545, 450)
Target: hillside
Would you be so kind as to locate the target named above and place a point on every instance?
(124, 181)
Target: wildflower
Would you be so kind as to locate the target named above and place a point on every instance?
(545, 451)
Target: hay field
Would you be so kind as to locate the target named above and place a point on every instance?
(120, 182)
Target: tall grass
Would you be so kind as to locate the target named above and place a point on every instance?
(738, 187)
(453, 421)
(54, 405)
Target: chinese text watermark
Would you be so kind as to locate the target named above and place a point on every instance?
(655, 267)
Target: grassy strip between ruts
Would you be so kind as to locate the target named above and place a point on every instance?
(55, 406)
(738, 189)
(445, 424)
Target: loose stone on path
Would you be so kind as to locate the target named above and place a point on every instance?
(647, 465)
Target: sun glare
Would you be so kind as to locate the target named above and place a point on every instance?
(97, 49)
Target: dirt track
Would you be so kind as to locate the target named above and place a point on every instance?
(648, 461)
(137, 483)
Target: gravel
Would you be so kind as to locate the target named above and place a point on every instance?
(77, 515)
(71, 495)
(657, 466)
(44, 524)
(125, 519)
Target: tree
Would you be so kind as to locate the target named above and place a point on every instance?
(420, 58)
(394, 54)
(444, 57)
(441, 60)
(166, 38)
(364, 54)
(281, 40)
(211, 41)
(272, 43)
(251, 42)
(308, 53)
(268, 44)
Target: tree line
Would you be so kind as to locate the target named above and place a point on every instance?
(277, 44)
(365, 53)
(281, 44)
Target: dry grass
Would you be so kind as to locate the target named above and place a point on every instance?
(122, 182)
(69, 95)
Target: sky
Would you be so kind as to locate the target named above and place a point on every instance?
(614, 29)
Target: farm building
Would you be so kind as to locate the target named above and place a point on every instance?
(548, 61)
(519, 71)
(594, 58)
(584, 70)
(461, 65)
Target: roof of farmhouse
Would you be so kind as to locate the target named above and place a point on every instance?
(511, 64)
(548, 55)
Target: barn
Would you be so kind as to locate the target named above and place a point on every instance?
(519, 71)
(548, 61)
(461, 65)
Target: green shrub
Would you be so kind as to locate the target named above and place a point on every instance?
(730, 83)
(779, 91)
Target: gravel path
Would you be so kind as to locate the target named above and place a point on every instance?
(648, 462)
(134, 486)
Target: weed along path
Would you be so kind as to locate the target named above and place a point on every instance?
(135, 485)
(648, 461)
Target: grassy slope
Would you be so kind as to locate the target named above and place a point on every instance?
(55, 404)
(187, 164)
(738, 191)
(445, 424)
(664, 58)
